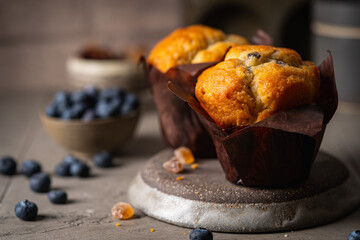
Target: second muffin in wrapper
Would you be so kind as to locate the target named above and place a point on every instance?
(278, 151)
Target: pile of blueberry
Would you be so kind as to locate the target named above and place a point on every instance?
(91, 103)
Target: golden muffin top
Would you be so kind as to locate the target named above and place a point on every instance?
(193, 44)
(255, 82)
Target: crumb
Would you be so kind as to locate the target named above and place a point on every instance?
(117, 224)
(286, 235)
(184, 233)
(196, 192)
(152, 230)
(194, 166)
(179, 178)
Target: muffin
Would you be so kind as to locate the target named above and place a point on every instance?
(254, 82)
(179, 58)
(193, 44)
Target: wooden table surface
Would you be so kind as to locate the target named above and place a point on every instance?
(87, 215)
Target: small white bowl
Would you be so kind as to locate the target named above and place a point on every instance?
(122, 73)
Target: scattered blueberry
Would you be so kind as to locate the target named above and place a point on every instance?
(57, 196)
(63, 169)
(200, 234)
(7, 166)
(40, 182)
(354, 235)
(70, 159)
(79, 169)
(26, 210)
(30, 167)
(103, 159)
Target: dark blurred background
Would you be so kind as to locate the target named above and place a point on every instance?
(37, 36)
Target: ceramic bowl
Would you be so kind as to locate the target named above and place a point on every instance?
(122, 73)
(86, 138)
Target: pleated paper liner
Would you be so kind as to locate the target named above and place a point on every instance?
(278, 151)
(180, 125)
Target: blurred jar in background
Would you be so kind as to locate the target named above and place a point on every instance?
(335, 26)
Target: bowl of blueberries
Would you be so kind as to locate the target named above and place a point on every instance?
(90, 120)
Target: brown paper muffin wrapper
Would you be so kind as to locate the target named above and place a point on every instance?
(180, 125)
(278, 151)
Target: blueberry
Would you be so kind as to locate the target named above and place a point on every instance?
(78, 110)
(78, 97)
(354, 235)
(103, 109)
(103, 159)
(26, 210)
(70, 159)
(63, 169)
(51, 110)
(130, 103)
(62, 98)
(254, 54)
(7, 166)
(89, 115)
(57, 196)
(110, 93)
(92, 93)
(30, 167)
(66, 114)
(201, 234)
(79, 169)
(40, 182)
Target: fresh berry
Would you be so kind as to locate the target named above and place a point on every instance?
(78, 97)
(92, 93)
(89, 115)
(7, 166)
(62, 98)
(103, 159)
(40, 182)
(110, 93)
(63, 169)
(30, 167)
(201, 234)
(51, 110)
(57, 196)
(105, 109)
(66, 114)
(130, 103)
(70, 159)
(26, 210)
(78, 110)
(354, 235)
(79, 169)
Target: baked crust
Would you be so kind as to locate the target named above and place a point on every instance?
(193, 44)
(254, 82)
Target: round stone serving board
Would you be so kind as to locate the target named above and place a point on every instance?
(204, 198)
